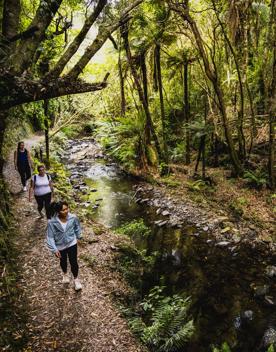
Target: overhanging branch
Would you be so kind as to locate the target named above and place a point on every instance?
(25, 91)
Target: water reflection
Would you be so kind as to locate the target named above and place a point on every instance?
(221, 281)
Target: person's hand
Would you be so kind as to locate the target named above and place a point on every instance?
(57, 254)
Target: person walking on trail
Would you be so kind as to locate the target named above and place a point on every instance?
(42, 187)
(63, 232)
(22, 163)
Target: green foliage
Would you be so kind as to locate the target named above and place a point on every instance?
(163, 168)
(12, 311)
(255, 179)
(170, 326)
(177, 153)
(135, 228)
(237, 206)
(224, 348)
(171, 182)
(196, 186)
(123, 139)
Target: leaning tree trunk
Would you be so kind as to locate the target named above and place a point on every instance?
(121, 77)
(140, 92)
(161, 99)
(46, 124)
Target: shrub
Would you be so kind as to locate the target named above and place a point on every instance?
(135, 228)
(255, 179)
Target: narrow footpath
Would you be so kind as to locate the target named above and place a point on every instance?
(58, 318)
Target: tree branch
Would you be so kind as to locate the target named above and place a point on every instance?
(73, 47)
(25, 91)
(103, 34)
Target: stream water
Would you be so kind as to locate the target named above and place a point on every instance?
(232, 291)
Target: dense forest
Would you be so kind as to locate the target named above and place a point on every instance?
(165, 87)
(188, 76)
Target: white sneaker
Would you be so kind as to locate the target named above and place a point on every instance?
(66, 279)
(24, 189)
(78, 285)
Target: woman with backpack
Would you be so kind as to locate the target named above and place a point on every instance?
(63, 232)
(22, 163)
(42, 187)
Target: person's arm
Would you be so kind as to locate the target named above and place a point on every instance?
(77, 228)
(15, 159)
(51, 186)
(31, 189)
(50, 240)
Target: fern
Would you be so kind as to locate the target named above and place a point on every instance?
(171, 327)
(257, 179)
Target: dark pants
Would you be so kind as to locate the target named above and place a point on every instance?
(25, 173)
(44, 201)
(72, 253)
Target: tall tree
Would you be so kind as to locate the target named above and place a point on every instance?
(183, 10)
(18, 81)
(149, 123)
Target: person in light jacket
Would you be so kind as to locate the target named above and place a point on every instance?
(63, 232)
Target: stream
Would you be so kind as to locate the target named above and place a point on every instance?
(232, 288)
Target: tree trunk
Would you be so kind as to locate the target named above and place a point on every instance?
(121, 77)
(203, 158)
(272, 98)
(11, 16)
(145, 91)
(140, 92)
(3, 121)
(214, 79)
(25, 51)
(161, 99)
(103, 34)
(73, 47)
(186, 111)
(241, 138)
(46, 124)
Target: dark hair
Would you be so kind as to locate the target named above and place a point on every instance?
(40, 166)
(56, 207)
(18, 145)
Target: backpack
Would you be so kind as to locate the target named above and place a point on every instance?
(35, 179)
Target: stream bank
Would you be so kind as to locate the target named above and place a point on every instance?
(229, 275)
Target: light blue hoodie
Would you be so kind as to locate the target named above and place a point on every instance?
(57, 236)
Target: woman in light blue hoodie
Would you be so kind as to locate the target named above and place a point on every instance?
(63, 232)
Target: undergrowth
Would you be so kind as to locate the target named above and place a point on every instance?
(12, 311)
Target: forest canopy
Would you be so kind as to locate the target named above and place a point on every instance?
(182, 79)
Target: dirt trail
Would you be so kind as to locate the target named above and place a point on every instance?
(60, 319)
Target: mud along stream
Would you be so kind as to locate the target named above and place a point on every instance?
(232, 285)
